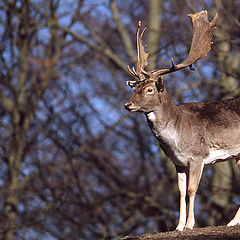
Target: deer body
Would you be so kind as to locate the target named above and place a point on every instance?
(188, 132)
(191, 134)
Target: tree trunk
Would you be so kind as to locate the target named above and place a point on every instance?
(155, 8)
(11, 201)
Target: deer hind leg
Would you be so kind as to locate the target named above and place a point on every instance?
(195, 173)
(182, 186)
(236, 219)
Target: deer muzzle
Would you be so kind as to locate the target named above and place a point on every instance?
(131, 107)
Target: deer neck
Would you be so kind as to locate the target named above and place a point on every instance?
(163, 118)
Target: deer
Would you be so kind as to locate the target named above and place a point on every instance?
(192, 134)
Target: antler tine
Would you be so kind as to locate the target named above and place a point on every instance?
(142, 54)
(201, 42)
(147, 74)
(132, 71)
(141, 35)
(173, 64)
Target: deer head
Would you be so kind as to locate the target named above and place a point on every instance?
(149, 87)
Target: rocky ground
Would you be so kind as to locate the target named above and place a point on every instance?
(208, 233)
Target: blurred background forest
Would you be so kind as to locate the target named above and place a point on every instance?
(74, 164)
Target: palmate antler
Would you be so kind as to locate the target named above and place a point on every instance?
(201, 45)
(142, 55)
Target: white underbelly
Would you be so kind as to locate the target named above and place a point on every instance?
(220, 155)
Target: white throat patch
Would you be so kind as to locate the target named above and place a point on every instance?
(151, 116)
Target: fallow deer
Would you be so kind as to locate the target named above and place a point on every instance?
(190, 134)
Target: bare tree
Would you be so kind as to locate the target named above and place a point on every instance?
(28, 65)
(67, 170)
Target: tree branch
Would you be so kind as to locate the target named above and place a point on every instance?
(123, 33)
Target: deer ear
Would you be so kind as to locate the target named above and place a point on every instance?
(160, 84)
(132, 84)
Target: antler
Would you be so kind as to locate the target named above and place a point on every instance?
(201, 45)
(142, 55)
(201, 42)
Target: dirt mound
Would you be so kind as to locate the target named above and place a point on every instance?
(208, 233)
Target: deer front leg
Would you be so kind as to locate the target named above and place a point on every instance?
(195, 173)
(182, 186)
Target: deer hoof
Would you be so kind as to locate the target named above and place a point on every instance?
(180, 228)
(233, 223)
(189, 226)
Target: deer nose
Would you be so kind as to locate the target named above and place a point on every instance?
(127, 105)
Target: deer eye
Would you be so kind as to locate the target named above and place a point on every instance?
(150, 90)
